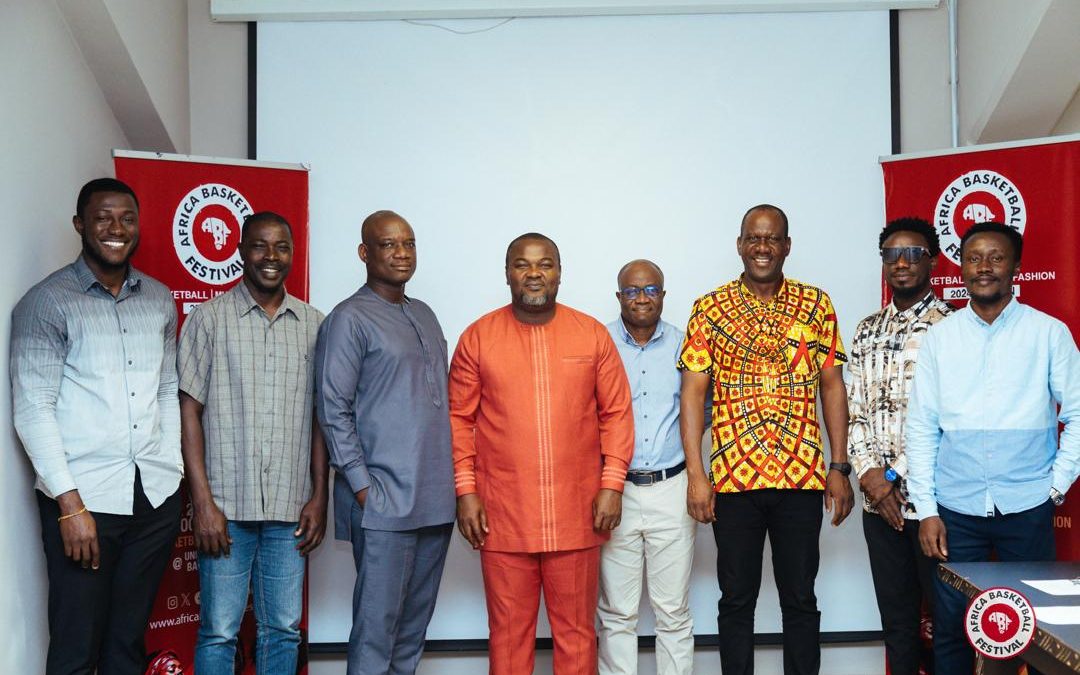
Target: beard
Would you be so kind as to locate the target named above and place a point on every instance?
(533, 300)
(913, 293)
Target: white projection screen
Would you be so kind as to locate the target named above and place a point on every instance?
(619, 137)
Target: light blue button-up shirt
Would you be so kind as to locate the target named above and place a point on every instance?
(94, 387)
(654, 384)
(982, 419)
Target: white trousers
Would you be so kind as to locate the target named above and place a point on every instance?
(655, 537)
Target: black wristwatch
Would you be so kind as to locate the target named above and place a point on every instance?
(843, 467)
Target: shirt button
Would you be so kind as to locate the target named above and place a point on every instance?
(134, 426)
(123, 330)
(133, 394)
(646, 416)
(644, 393)
(129, 363)
(643, 372)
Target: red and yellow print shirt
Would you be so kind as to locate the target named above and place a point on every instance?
(541, 420)
(764, 359)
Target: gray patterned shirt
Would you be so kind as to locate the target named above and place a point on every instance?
(882, 362)
(93, 381)
(255, 377)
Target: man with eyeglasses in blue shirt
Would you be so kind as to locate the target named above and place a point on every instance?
(656, 533)
(985, 464)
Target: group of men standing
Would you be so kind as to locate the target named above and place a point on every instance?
(569, 452)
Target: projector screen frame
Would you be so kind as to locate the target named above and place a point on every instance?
(701, 640)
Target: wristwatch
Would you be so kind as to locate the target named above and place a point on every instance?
(843, 467)
(891, 475)
(1056, 497)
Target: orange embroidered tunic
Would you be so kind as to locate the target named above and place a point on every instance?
(541, 420)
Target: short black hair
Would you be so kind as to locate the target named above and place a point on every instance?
(912, 224)
(263, 217)
(539, 237)
(1012, 234)
(102, 185)
(765, 207)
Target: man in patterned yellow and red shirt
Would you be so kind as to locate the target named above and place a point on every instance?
(765, 343)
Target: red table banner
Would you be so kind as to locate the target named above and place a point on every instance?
(190, 211)
(1032, 186)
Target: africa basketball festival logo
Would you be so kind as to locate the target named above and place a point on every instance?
(206, 232)
(1000, 623)
(978, 196)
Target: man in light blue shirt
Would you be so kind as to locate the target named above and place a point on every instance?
(93, 382)
(656, 533)
(985, 464)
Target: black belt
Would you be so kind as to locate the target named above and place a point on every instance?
(650, 477)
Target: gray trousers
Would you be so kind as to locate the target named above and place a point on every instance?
(397, 580)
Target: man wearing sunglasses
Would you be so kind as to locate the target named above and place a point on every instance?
(656, 534)
(765, 343)
(883, 357)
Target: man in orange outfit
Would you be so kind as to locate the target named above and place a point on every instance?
(543, 432)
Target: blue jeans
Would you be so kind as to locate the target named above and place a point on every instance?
(1015, 537)
(264, 556)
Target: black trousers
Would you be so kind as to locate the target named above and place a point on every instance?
(97, 617)
(903, 580)
(792, 519)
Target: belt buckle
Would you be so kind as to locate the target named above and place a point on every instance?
(645, 477)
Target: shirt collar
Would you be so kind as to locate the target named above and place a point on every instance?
(367, 290)
(1002, 319)
(87, 280)
(629, 339)
(916, 311)
(749, 294)
(245, 303)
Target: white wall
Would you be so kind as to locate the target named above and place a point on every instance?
(620, 137)
(58, 131)
(217, 83)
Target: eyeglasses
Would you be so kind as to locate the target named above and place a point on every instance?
(651, 291)
(910, 254)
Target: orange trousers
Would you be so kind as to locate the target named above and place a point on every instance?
(512, 585)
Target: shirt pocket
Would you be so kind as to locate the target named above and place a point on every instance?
(575, 383)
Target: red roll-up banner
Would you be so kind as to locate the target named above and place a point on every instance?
(1033, 186)
(190, 213)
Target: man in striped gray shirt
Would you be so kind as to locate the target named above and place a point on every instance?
(93, 374)
(256, 462)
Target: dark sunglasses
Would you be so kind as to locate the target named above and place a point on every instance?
(631, 292)
(911, 254)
